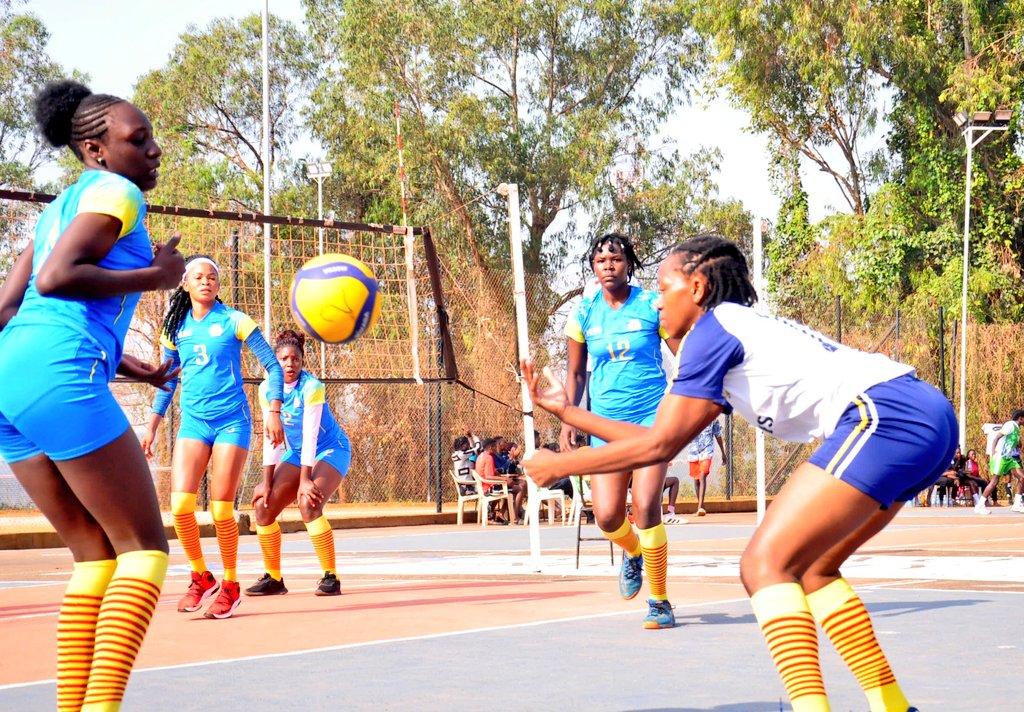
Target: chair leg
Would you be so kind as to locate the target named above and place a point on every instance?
(579, 525)
(462, 505)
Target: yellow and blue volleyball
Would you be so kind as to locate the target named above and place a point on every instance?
(335, 298)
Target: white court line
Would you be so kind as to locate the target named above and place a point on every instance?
(371, 643)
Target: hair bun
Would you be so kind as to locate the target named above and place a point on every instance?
(55, 106)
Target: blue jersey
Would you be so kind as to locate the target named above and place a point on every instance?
(210, 353)
(103, 321)
(307, 391)
(624, 344)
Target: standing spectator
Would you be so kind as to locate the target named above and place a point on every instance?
(699, 453)
(1005, 461)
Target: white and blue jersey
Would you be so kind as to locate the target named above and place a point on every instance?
(209, 351)
(72, 346)
(628, 379)
(885, 432)
(311, 431)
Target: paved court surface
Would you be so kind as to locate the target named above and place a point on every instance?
(447, 618)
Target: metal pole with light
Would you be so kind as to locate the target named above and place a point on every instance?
(983, 122)
(318, 172)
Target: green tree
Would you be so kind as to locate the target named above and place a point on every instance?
(206, 107)
(24, 68)
(539, 93)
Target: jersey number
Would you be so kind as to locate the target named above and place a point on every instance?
(623, 349)
(203, 357)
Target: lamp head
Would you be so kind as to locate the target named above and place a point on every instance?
(960, 118)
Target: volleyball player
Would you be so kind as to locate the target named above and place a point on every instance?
(72, 294)
(315, 458)
(617, 329)
(204, 336)
(885, 437)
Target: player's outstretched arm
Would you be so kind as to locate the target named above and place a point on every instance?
(679, 420)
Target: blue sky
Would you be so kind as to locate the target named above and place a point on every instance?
(152, 28)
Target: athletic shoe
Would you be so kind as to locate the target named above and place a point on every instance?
(267, 585)
(1017, 508)
(226, 602)
(701, 512)
(202, 587)
(660, 615)
(674, 520)
(980, 508)
(329, 585)
(631, 575)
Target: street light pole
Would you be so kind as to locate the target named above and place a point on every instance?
(318, 172)
(984, 122)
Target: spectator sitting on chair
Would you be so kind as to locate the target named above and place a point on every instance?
(501, 456)
(485, 468)
(464, 452)
(947, 483)
(970, 476)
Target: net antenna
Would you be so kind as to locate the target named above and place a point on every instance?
(410, 269)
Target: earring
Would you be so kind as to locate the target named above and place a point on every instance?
(101, 162)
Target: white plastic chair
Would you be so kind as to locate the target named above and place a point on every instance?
(548, 496)
(464, 499)
(491, 491)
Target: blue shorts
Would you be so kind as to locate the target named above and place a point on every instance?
(645, 420)
(55, 396)
(338, 457)
(231, 429)
(894, 440)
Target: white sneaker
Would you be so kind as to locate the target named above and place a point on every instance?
(980, 508)
(1017, 508)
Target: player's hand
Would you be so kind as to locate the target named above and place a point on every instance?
(567, 438)
(273, 429)
(170, 263)
(260, 495)
(553, 399)
(157, 376)
(312, 493)
(540, 467)
(147, 442)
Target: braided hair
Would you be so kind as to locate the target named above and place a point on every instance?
(180, 304)
(290, 337)
(722, 264)
(619, 240)
(68, 113)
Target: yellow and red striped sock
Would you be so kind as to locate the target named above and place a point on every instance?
(227, 536)
(123, 620)
(654, 545)
(788, 628)
(186, 528)
(625, 537)
(76, 630)
(323, 543)
(269, 538)
(845, 621)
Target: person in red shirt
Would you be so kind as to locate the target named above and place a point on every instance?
(486, 469)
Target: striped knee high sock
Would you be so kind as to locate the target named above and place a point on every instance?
(76, 630)
(845, 621)
(227, 536)
(269, 538)
(186, 528)
(654, 545)
(123, 620)
(625, 537)
(323, 543)
(792, 637)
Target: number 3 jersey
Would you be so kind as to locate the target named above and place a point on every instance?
(624, 344)
(781, 376)
(210, 353)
